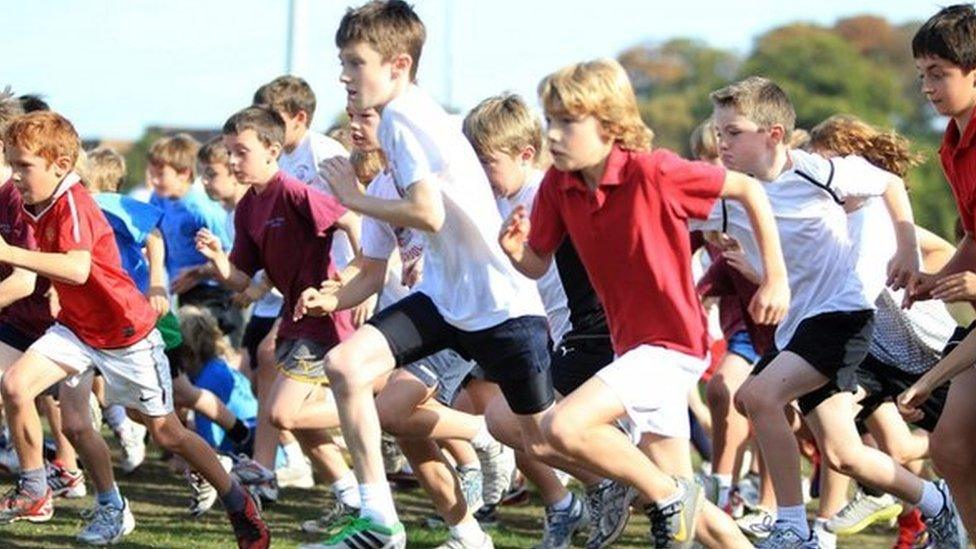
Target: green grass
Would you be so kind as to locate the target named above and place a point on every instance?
(158, 499)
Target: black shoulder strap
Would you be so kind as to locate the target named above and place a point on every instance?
(826, 187)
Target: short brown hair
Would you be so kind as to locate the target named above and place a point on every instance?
(391, 27)
(177, 151)
(104, 170)
(10, 108)
(949, 34)
(290, 94)
(266, 123)
(44, 133)
(600, 88)
(760, 100)
(704, 142)
(214, 152)
(503, 123)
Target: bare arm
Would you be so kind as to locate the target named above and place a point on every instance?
(337, 296)
(71, 267)
(513, 239)
(772, 299)
(17, 286)
(156, 255)
(903, 268)
(351, 224)
(228, 275)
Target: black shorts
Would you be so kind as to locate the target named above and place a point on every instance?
(218, 301)
(956, 338)
(176, 358)
(883, 383)
(512, 354)
(258, 328)
(577, 359)
(15, 338)
(833, 343)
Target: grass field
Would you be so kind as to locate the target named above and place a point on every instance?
(159, 498)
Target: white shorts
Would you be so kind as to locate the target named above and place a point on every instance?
(136, 376)
(653, 384)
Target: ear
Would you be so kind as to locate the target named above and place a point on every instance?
(777, 133)
(528, 154)
(62, 165)
(274, 150)
(402, 63)
(301, 117)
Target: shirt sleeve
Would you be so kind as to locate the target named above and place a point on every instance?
(378, 239)
(547, 228)
(855, 177)
(244, 254)
(77, 229)
(142, 218)
(690, 187)
(320, 209)
(409, 160)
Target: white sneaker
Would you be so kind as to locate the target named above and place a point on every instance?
(497, 468)
(757, 524)
(132, 438)
(863, 511)
(458, 543)
(108, 524)
(295, 476)
(825, 538)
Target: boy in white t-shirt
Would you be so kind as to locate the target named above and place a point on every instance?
(469, 298)
(827, 330)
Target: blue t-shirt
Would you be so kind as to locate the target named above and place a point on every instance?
(182, 218)
(132, 221)
(234, 390)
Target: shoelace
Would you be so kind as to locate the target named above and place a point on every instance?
(556, 524)
(660, 527)
(105, 516)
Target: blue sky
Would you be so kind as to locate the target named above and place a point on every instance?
(116, 66)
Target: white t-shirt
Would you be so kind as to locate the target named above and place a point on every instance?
(550, 285)
(466, 274)
(380, 239)
(813, 230)
(302, 164)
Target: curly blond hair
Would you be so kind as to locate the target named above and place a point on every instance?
(600, 88)
(846, 135)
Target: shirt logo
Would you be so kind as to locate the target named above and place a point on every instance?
(49, 235)
(303, 173)
(275, 222)
(128, 331)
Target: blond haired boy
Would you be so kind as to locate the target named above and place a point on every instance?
(619, 204)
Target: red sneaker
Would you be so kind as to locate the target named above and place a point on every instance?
(65, 483)
(911, 531)
(250, 530)
(16, 505)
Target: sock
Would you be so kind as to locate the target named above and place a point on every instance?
(111, 497)
(468, 530)
(724, 489)
(233, 500)
(346, 490)
(794, 516)
(34, 482)
(932, 500)
(672, 498)
(294, 455)
(564, 503)
(869, 491)
(377, 503)
(240, 432)
(115, 416)
(483, 438)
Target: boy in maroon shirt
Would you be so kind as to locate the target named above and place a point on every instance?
(626, 210)
(104, 323)
(284, 227)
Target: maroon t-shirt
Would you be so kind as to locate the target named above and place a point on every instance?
(32, 315)
(287, 231)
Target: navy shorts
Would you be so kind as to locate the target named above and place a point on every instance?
(513, 354)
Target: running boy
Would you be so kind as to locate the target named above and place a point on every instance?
(104, 321)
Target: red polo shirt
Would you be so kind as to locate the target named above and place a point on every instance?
(632, 236)
(958, 157)
(107, 311)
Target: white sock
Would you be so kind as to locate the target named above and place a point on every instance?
(794, 516)
(724, 489)
(932, 500)
(346, 490)
(377, 503)
(564, 503)
(294, 454)
(468, 530)
(483, 438)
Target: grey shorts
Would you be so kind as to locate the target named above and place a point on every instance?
(445, 370)
(302, 360)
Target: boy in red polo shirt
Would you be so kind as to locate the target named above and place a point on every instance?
(945, 56)
(626, 211)
(104, 323)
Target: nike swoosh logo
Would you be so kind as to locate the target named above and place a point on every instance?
(142, 399)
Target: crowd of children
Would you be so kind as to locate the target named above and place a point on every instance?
(499, 302)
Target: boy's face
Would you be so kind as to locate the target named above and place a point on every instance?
(363, 124)
(166, 181)
(506, 172)
(251, 161)
(743, 145)
(369, 80)
(950, 90)
(218, 181)
(33, 176)
(577, 143)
